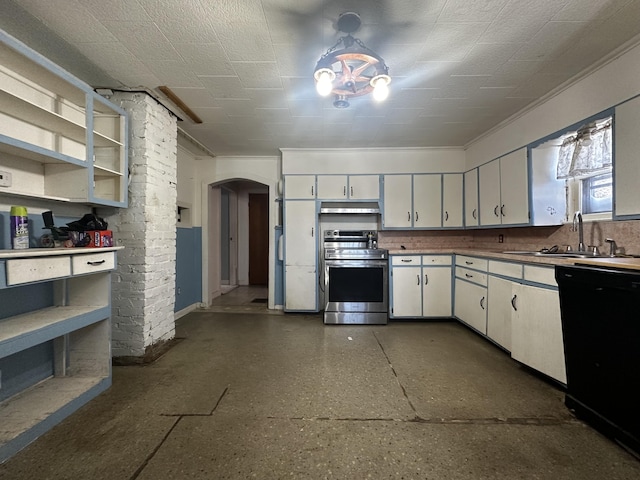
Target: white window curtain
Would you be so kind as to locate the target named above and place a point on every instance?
(586, 154)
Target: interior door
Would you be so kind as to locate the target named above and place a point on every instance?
(258, 239)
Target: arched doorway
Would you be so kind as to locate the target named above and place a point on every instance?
(228, 206)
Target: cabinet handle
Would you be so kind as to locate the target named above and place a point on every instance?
(406, 260)
(426, 279)
(408, 216)
(418, 277)
(446, 216)
(312, 231)
(474, 214)
(468, 275)
(344, 191)
(482, 303)
(502, 210)
(468, 262)
(495, 211)
(96, 263)
(416, 216)
(513, 302)
(312, 190)
(351, 188)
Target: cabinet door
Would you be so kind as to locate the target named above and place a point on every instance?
(470, 305)
(471, 198)
(536, 330)
(427, 200)
(514, 188)
(452, 200)
(436, 291)
(332, 187)
(300, 232)
(364, 187)
(397, 201)
(300, 186)
(406, 300)
(499, 310)
(489, 193)
(625, 170)
(300, 288)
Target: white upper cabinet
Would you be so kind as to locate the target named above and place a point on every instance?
(364, 187)
(504, 190)
(300, 187)
(58, 139)
(452, 200)
(627, 158)
(427, 200)
(471, 198)
(348, 187)
(397, 201)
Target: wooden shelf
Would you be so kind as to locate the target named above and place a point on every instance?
(22, 149)
(24, 331)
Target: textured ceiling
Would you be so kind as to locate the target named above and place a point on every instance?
(245, 67)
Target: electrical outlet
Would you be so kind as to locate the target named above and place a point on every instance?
(5, 179)
(500, 238)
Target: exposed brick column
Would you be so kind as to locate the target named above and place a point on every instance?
(143, 287)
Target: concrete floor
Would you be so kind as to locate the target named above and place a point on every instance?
(249, 393)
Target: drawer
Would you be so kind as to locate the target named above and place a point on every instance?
(93, 262)
(436, 260)
(406, 260)
(471, 275)
(545, 275)
(472, 262)
(507, 269)
(27, 270)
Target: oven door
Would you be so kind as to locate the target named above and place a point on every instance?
(356, 291)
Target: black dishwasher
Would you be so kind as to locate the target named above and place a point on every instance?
(601, 331)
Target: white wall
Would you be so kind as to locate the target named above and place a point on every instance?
(373, 160)
(188, 194)
(609, 85)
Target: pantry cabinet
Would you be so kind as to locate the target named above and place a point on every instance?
(59, 140)
(300, 255)
(55, 340)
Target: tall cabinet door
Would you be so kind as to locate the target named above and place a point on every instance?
(397, 201)
(427, 200)
(300, 232)
(514, 188)
(489, 184)
(499, 309)
(452, 200)
(471, 198)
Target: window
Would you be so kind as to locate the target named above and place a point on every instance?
(585, 161)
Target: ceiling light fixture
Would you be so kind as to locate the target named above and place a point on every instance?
(352, 71)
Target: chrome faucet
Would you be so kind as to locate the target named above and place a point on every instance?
(577, 226)
(614, 246)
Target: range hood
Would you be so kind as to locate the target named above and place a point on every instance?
(369, 208)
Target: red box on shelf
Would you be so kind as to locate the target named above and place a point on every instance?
(100, 238)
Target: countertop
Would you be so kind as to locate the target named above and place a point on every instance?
(606, 262)
(46, 252)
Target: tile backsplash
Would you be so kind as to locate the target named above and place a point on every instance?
(625, 233)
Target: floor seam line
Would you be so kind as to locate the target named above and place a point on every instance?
(146, 461)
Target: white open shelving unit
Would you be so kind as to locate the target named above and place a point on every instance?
(78, 325)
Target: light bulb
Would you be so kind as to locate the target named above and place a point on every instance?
(324, 79)
(380, 87)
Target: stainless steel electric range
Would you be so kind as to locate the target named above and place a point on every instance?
(355, 278)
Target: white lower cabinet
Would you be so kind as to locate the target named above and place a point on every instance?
(536, 330)
(300, 288)
(420, 286)
(470, 305)
(55, 337)
(499, 309)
